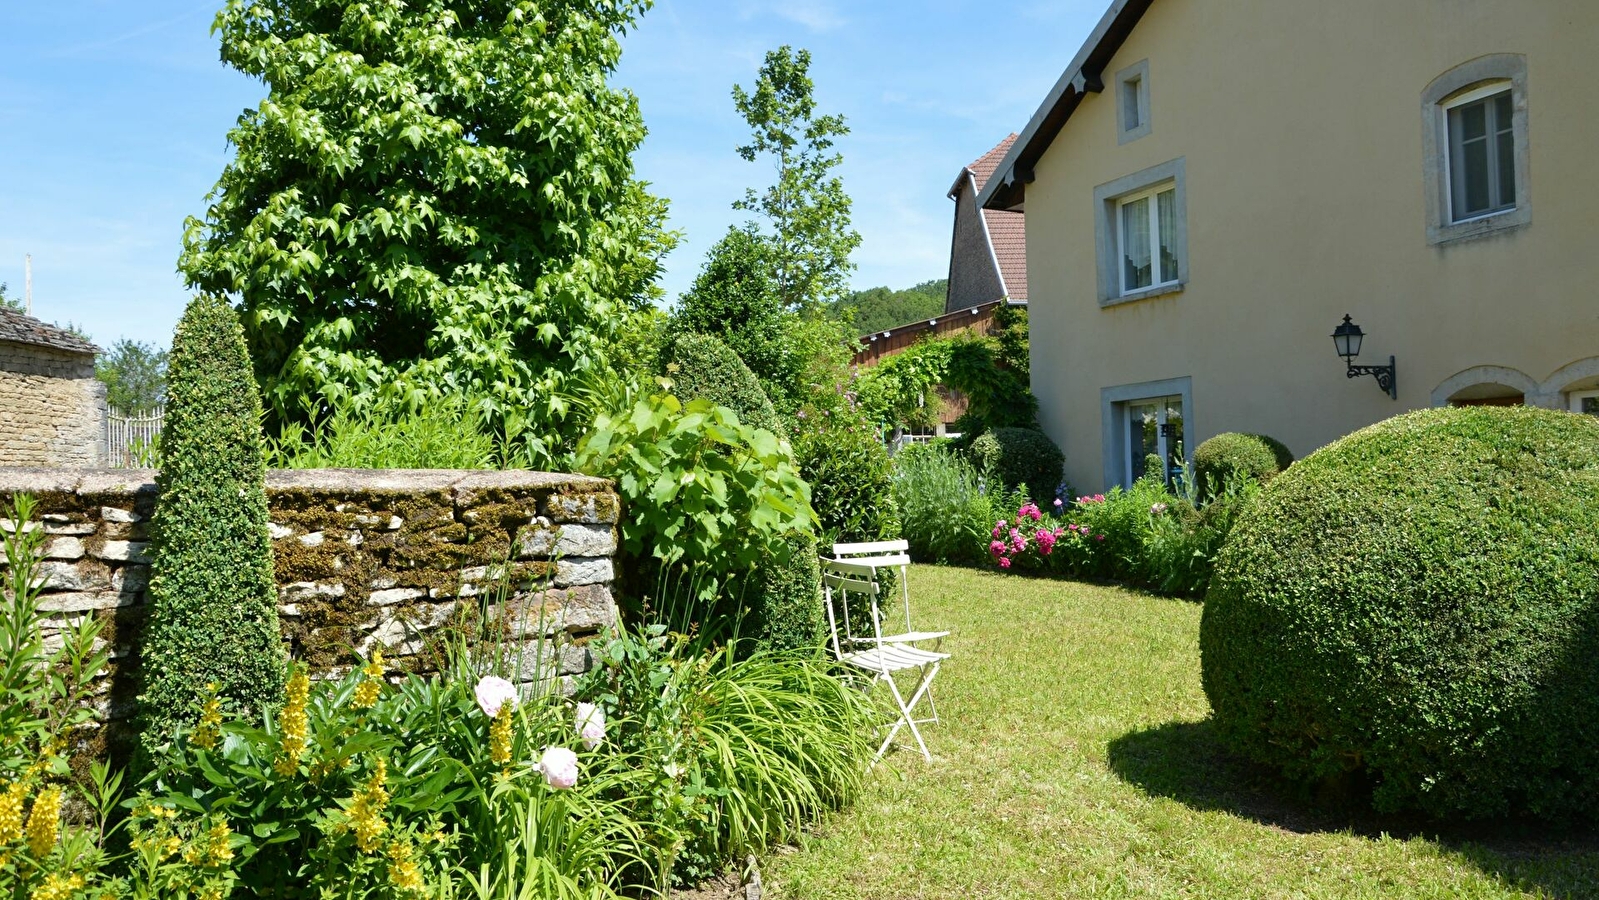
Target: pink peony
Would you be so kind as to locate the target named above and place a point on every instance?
(997, 548)
(559, 766)
(1029, 511)
(590, 724)
(1004, 562)
(494, 692)
(1046, 541)
(1099, 537)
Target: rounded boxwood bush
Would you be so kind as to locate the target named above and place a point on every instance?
(1414, 609)
(701, 366)
(1020, 457)
(1233, 454)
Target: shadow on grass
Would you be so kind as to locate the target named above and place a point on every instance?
(1186, 762)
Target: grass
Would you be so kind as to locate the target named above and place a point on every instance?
(1074, 760)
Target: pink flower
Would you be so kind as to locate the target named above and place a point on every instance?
(1099, 537)
(1046, 541)
(1004, 562)
(590, 724)
(1059, 503)
(1029, 511)
(559, 766)
(494, 692)
(997, 531)
(997, 548)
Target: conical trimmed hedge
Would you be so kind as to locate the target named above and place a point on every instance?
(213, 599)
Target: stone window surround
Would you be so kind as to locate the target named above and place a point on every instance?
(1509, 68)
(1113, 420)
(1107, 242)
(1140, 71)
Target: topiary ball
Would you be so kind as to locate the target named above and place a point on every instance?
(1233, 454)
(1414, 609)
(1020, 457)
(701, 366)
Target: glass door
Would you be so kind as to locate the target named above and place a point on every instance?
(1155, 428)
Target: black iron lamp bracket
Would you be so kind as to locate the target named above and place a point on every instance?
(1387, 379)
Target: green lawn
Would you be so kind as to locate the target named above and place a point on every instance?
(1074, 761)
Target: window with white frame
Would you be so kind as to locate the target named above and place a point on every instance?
(1482, 152)
(1132, 102)
(1147, 235)
(1141, 234)
(1476, 149)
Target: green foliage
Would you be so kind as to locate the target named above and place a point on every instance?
(1182, 544)
(1231, 455)
(45, 697)
(736, 298)
(943, 509)
(702, 490)
(809, 213)
(787, 610)
(9, 302)
(898, 389)
(738, 753)
(435, 199)
(700, 366)
(1415, 608)
(881, 308)
(134, 374)
(990, 371)
(213, 599)
(1019, 458)
(444, 435)
(850, 474)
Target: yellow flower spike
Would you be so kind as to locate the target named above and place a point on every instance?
(366, 693)
(208, 732)
(500, 736)
(292, 724)
(44, 822)
(403, 872)
(11, 801)
(219, 852)
(58, 887)
(366, 809)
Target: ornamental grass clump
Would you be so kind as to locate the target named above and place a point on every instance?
(213, 598)
(1413, 611)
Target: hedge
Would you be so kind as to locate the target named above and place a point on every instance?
(701, 366)
(1415, 608)
(1232, 455)
(1020, 457)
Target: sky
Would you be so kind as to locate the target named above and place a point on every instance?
(114, 115)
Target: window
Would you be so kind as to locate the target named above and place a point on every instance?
(1585, 402)
(1132, 102)
(1142, 234)
(1148, 228)
(1476, 149)
(1155, 428)
(1142, 420)
(1482, 153)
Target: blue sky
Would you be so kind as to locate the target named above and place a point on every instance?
(113, 115)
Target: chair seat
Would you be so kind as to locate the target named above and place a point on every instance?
(911, 637)
(892, 658)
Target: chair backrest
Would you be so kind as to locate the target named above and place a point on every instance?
(881, 555)
(839, 580)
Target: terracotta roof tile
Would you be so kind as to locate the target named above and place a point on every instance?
(983, 167)
(1008, 232)
(24, 329)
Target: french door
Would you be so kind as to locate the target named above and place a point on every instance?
(1154, 428)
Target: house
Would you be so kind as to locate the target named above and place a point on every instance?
(1210, 188)
(987, 266)
(51, 407)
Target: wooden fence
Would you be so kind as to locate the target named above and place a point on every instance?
(131, 439)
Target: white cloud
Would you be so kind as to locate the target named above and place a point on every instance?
(815, 15)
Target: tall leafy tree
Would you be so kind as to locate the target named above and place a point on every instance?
(7, 301)
(806, 208)
(135, 375)
(735, 298)
(435, 198)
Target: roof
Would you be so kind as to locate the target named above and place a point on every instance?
(18, 328)
(982, 168)
(1007, 230)
(1084, 75)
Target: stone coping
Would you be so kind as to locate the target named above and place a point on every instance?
(14, 479)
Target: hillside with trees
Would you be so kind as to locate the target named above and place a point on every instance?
(882, 308)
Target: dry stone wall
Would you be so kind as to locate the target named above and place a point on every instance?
(51, 407)
(401, 560)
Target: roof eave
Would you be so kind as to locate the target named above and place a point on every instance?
(1007, 188)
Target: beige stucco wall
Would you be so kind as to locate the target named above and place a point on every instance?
(1301, 128)
(51, 408)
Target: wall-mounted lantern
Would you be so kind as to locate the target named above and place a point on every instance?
(1347, 338)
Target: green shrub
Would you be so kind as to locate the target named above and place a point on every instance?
(444, 435)
(944, 511)
(704, 492)
(1416, 608)
(1233, 454)
(1020, 458)
(786, 612)
(213, 599)
(701, 366)
(850, 474)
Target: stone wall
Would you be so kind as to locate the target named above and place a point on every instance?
(51, 407)
(364, 559)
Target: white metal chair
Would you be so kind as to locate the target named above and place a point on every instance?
(890, 555)
(878, 656)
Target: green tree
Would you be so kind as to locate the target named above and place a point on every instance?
(213, 599)
(7, 301)
(736, 299)
(436, 198)
(807, 208)
(881, 308)
(135, 375)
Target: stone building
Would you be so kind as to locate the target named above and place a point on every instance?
(52, 409)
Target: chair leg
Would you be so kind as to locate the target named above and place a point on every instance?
(906, 719)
